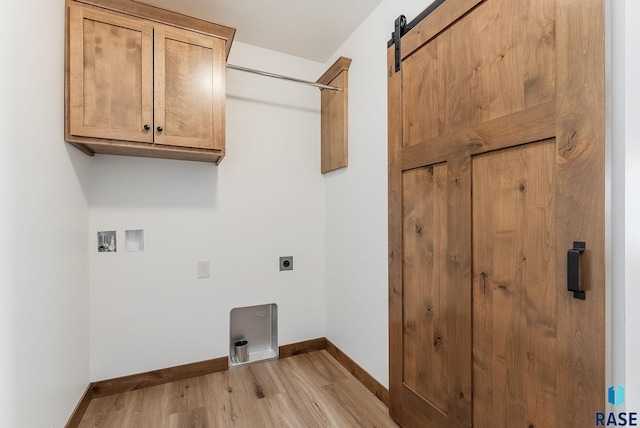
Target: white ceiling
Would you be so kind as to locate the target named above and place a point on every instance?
(311, 29)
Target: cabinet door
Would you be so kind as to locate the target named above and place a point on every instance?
(189, 88)
(110, 76)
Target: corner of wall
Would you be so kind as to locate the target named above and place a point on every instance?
(44, 333)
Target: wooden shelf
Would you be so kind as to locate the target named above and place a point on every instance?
(334, 116)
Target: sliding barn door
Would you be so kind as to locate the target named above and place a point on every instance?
(496, 168)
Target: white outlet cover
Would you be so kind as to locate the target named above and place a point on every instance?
(204, 269)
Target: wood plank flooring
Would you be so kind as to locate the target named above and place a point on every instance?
(308, 390)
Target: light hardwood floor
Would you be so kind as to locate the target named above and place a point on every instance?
(308, 390)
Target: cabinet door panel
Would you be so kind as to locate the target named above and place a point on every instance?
(189, 89)
(110, 81)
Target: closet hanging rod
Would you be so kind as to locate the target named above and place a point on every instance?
(279, 76)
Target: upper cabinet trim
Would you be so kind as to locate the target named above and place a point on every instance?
(164, 16)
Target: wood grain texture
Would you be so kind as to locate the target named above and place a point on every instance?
(375, 387)
(81, 409)
(110, 74)
(441, 18)
(188, 89)
(532, 124)
(394, 129)
(127, 148)
(112, 392)
(308, 390)
(514, 293)
(340, 65)
(304, 347)
(111, 80)
(157, 377)
(459, 302)
(334, 117)
(156, 14)
(580, 153)
(478, 80)
(454, 81)
(423, 68)
(426, 353)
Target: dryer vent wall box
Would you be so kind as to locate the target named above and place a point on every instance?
(258, 326)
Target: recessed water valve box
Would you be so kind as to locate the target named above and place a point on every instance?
(107, 241)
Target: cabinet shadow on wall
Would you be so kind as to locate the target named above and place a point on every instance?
(81, 164)
(276, 104)
(132, 182)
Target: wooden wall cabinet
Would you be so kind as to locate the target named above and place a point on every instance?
(137, 86)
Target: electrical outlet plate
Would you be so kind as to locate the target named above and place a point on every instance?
(286, 263)
(204, 269)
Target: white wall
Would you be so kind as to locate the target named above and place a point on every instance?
(616, 188)
(356, 200)
(265, 200)
(44, 294)
(625, 208)
(7, 358)
(631, 170)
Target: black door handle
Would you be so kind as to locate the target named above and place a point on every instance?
(573, 270)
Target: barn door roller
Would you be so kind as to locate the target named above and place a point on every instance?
(401, 27)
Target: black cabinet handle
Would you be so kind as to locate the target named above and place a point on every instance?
(147, 127)
(573, 270)
(159, 128)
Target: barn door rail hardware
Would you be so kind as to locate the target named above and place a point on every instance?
(401, 27)
(573, 270)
